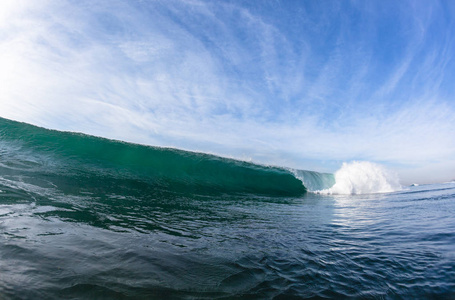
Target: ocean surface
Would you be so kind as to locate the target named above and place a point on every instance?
(88, 218)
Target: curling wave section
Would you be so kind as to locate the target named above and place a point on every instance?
(98, 163)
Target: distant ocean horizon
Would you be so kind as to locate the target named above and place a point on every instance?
(87, 217)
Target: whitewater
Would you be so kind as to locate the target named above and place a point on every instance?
(86, 217)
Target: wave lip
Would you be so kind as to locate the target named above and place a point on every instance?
(363, 177)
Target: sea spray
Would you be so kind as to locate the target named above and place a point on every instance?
(363, 177)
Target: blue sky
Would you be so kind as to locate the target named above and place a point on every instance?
(305, 84)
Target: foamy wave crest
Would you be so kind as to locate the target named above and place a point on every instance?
(362, 177)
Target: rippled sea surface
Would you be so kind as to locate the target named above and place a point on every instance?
(154, 245)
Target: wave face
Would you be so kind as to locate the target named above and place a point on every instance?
(97, 163)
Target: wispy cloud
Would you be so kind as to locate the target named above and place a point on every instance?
(299, 84)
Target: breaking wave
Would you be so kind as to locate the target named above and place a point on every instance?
(64, 158)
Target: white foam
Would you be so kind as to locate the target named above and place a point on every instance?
(362, 177)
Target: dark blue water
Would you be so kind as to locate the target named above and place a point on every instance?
(382, 246)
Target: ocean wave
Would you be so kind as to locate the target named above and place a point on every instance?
(63, 157)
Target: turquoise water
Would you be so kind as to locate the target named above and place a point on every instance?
(88, 218)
